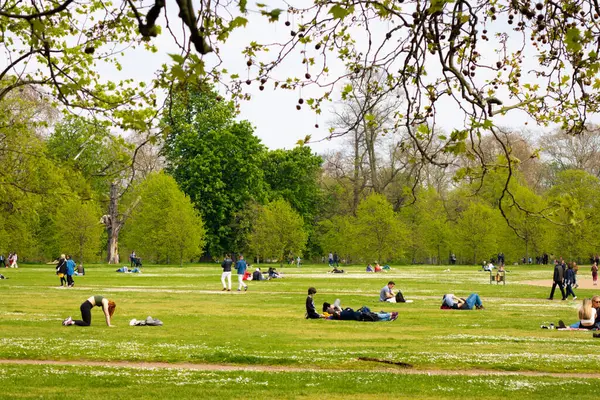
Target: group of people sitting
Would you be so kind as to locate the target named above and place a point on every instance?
(257, 275)
(377, 268)
(336, 312)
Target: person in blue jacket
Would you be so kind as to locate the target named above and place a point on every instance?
(241, 266)
(70, 271)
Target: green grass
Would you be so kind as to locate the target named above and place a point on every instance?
(266, 327)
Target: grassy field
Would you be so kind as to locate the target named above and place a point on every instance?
(258, 344)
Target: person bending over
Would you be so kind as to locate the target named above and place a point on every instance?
(108, 308)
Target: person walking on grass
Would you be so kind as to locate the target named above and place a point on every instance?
(241, 266)
(558, 279)
(108, 308)
(226, 265)
(70, 270)
(595, 273)
(570, 281)
(61, 270)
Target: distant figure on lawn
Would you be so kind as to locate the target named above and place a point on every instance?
(451, 302)
(258, 276)
(570, 281)
(108, 308)
(558, 279)
(595, 273)
(241, 266)
(311, 311)
(70, 266)
(226, 274)
(61, 270)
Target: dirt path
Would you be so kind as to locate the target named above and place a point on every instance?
(269, 368)
(583, 284)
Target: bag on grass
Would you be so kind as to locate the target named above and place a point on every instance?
(400, 297)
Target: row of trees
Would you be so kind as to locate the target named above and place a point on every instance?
(222, 191)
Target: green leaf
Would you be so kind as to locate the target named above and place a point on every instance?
(273, 15)
(242, 5)
(339, 12)
(177, 58)
(573, 40)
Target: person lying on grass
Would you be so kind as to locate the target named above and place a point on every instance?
(451, 302)
(362, 314)
(332, 308)
(588, 316)
(108, 307)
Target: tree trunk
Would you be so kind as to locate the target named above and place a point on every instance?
(113, 226)
(114, 222)
(356, 176)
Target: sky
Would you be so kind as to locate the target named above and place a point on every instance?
(273, 112)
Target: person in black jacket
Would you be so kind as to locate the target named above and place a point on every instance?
(311, 312)
(226, 265)
(570, 281)
(559, 277)
(61, 270)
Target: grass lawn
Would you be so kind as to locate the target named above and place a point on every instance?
(285, 355)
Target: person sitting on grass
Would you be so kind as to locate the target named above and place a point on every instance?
(378, 267)
(387, 293)
(108, 307)
(499, 273)
(588, 315)
(258, 276)
(273, 274)
(311, 311)
(370, 268)
(455, 303)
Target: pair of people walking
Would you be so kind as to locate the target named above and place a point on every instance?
(564, 276)
(240, 267)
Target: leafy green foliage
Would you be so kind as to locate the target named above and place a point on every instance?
(164, 226)
(78, 230)
(214, 159)
(278, 231)
(380, 235)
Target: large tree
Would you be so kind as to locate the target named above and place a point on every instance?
(164, 227)
(277, 232)
(215, 160)
(380, 235)
(78, 229)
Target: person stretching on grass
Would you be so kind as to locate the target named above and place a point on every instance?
(108, 307)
